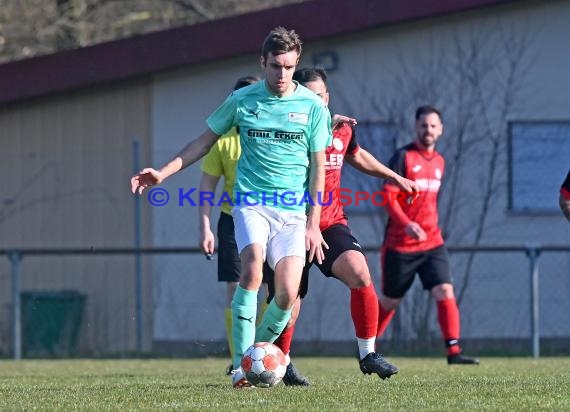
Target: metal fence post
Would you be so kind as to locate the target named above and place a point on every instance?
(138, 263)
(15, 259)
(533, 253)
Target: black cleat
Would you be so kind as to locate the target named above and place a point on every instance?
(229, 369)
(293, 377)
(459, 359)
(375, 363)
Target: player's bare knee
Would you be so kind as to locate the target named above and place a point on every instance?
(443, 291)
(251, 268)
(285, 299)
(357, 280)
(351, 268)
(251, 280)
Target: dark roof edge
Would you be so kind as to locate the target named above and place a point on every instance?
(150, 53)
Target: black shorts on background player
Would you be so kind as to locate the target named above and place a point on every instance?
(229, 264)
(400, 269)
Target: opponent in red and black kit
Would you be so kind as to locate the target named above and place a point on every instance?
(344, 258)
(413, 242)
(564, 199)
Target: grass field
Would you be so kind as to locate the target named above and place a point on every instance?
(199, 384)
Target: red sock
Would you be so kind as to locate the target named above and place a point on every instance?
(384, 318)
(448, 317)
(364, 311)
(283, 342)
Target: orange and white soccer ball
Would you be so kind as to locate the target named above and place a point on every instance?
(263, 364)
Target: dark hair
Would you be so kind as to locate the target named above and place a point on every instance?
(424, 110)
(245, 81)
(307, 75)
(281, 41)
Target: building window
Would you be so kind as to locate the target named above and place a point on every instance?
(539, 159)
(380, 140)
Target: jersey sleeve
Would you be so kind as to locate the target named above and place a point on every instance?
(353, 145)
(224, 117)
(212, 162)
(321, 129)
(398, 164)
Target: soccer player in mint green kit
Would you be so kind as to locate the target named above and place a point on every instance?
(284, 130)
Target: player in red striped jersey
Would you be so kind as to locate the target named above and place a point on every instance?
(344, 259)
(413, 242)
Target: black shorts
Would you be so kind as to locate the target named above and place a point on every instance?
(399, 270)
(229, 263)
(339, 238)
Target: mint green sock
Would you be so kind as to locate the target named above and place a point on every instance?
(272, 324)
(244, 311)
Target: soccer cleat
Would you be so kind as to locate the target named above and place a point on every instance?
(293, 377)
(375, 363)
(229, 369)
(238, 379)
(459, 359)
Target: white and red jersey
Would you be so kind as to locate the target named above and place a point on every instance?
(426, 169)
(343, 143)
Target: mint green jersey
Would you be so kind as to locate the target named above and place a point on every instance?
(277, 136)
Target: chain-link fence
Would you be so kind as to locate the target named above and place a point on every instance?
(102, 303)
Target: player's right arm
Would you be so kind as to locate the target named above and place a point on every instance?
(412, 229)
(192, 152)
(208, 183)
(314, 241)
(365, 162)
(394, 207)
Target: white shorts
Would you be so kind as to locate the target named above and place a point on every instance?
(279, 233)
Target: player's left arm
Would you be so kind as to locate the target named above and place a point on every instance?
(340, 118)
(365, 162)
(314, 241)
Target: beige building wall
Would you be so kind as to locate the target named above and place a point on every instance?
(66, 160)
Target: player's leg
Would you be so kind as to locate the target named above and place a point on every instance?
(345, 260)
(284, 340)
(436, 277)
(251, 233)
(230, 291)
(293, 377)
(398, 272)
(229, 268)
(286, 255)
(350, 267)
(262, 306)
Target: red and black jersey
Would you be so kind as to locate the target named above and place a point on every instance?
(426, 169)
(565, 188)
(343, 143)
